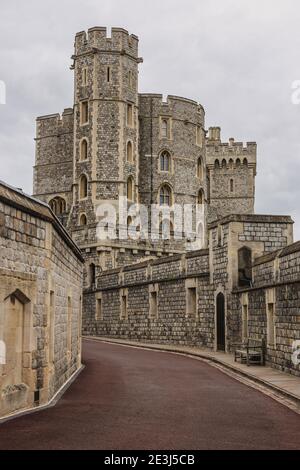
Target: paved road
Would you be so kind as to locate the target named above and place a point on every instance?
(128, 398)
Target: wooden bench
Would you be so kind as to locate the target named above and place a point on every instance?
(251, 351)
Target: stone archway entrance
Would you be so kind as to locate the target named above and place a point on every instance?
(220, 322)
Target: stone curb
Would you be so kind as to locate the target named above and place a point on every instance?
(177, 350)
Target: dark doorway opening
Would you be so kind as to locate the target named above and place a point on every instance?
(221, 322)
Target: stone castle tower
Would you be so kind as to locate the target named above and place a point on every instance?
(116, 142)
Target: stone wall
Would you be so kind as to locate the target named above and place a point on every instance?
(40, 302)
(172, 282)
(172, 322)
(184, 117)
(276, 283)
(53, 171)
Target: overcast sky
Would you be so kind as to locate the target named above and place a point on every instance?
(237, 58)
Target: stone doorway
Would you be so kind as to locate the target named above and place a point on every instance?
(220, 322)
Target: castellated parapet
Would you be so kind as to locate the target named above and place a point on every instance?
(231, 168)
(97, 38)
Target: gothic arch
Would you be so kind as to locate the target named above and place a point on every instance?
(83, 186)
(58, 205)
(200, 168)
(165, 195)
(200, 198)
(83, 149)
(130, 189)
(165, 161)
(83, 219)
(129, 151)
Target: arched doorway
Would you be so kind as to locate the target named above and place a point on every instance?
(220, 323)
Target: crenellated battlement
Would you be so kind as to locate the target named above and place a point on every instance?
(55, 124)
(175, 106)
(97, 38)
(218, 151)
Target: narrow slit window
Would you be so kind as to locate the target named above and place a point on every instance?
(153, 305)
(99, 313)
(165, 128)
(124, 307)
(84, 112)
(271, 324)
(85, 77)
(130, 115)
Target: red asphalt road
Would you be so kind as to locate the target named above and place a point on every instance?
(128, 398)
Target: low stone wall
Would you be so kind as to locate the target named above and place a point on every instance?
(276, 293)
(174, 321)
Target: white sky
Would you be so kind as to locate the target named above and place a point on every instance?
(237, 58)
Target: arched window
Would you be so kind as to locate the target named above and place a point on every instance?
(165, 195)
(62, 206)
(84, 117)
(224, 164)
(58, 205)
(130, 189)
(231, 184)
(83, 220)
(217, 164)
(200, 169)
(53, 205)
(238, 162)
(245, 266)
(129, 115)
(164, 128)
(166, 229)
(231, 165)
(92, 275)
(200, 235)
(84, 150)
(129, 151)
(245, 162)
(83, 187)
(165, 161)
(200, 197)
